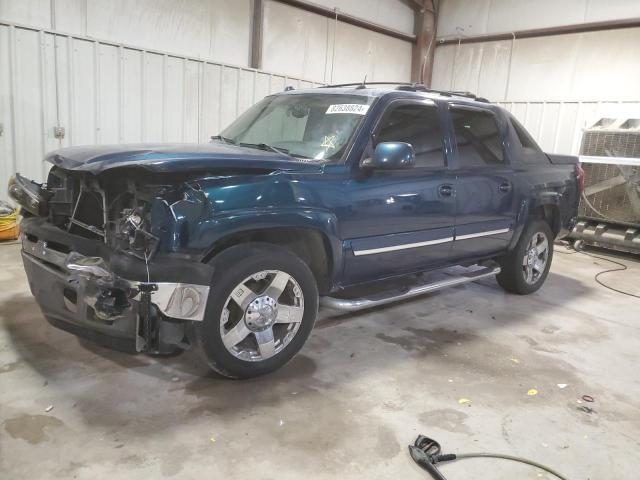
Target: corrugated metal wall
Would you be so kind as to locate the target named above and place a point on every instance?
(304, 44)
(556, 85)
(105, 93)
(558, 126)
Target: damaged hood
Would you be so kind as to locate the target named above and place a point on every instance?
(166, 158)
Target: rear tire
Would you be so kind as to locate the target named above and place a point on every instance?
(526, 267)
(261, 309)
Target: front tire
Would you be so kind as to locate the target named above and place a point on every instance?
(526, 267)
(262, 306)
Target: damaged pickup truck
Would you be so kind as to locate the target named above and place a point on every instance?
(229, 247)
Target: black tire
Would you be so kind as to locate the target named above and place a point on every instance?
(232, 266)
(512, 276)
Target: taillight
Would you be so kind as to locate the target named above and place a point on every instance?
(580, 176)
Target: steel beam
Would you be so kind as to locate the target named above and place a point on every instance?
(545, 32)
(350, 19)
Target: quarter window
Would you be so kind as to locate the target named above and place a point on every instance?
(477, 137)
(419, 126)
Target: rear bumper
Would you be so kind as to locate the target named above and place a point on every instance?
(83, 295)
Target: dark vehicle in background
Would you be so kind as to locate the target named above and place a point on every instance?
(306, 198)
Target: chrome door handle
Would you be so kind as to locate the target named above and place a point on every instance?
(505, 187)
(445, 190)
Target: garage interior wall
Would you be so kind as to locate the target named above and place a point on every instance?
(125, 71)
(308, 45)
(556, 85)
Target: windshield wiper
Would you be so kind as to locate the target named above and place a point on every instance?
(265, 146)
(224, 139)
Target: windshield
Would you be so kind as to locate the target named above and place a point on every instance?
(314, 126)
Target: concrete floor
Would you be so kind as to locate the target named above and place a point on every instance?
(363, 387)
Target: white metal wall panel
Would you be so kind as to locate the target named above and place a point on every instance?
(105, 93)
(301, 44)
(460, 18)
(108, 83)
(154, 98)
(131, 99)
(173, 127)
(396, 14)
(191, 101)
(220, 30)
(576, 67)
(28, 101)
(558, 126)
(49, 85)
(7, 100)
(83, 92)
(216, 29)
(29, 12)
(211, 94)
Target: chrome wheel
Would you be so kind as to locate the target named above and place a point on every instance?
(262, 315)
(535, 258)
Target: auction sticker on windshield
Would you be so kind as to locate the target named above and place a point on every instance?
(356, 108)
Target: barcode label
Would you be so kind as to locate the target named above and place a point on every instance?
(355, 108)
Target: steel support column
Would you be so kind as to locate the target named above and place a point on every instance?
(426, 18)
(257, 15)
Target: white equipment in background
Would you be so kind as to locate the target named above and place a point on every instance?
(609, 213)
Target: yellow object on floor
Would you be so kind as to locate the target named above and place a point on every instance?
(9, 229)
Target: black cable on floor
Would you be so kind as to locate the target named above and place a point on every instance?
(622, 269)
(514, 459)
(427, 453)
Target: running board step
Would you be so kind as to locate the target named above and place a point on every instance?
(355, 304)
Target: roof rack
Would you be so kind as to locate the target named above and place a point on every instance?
(411, 87)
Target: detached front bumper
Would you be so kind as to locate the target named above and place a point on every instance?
(82, 294)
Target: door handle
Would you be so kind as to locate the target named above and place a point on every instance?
(505, 187)
(445, 190)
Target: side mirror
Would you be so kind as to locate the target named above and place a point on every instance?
(391, 156)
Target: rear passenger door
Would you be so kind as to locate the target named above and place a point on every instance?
(486, 204)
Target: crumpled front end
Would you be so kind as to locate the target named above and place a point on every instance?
(109, 296)
(130, 210)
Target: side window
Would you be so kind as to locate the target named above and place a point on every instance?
(477, 137)
(419, 126)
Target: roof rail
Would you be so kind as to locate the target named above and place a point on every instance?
(357, 84)
(411, 87)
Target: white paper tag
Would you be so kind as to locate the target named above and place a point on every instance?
(354, 108)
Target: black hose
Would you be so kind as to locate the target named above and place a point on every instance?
(622, 268)
(514, 459)
(426, 453)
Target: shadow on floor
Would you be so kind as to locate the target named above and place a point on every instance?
(343, 355)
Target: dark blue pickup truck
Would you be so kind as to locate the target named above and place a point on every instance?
(311, 197)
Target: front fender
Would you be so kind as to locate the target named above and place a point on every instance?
(212, 230)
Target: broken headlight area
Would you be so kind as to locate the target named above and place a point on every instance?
(131, 233)
(131, 211)
(28, 194)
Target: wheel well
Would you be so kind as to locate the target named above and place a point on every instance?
(310, 245)
(550, 214)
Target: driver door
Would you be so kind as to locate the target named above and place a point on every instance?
(402, 221)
